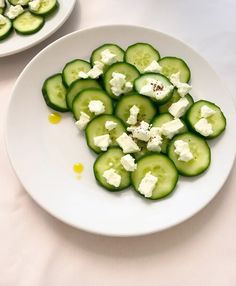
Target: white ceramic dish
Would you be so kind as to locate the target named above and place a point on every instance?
(17, 43)
(43, 154)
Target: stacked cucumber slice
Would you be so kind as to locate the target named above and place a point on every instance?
(26, 17)
(138, 115)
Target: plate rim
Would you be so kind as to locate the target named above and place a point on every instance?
(47, 35)
(88, 229)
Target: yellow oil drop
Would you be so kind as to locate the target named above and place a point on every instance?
(78, 168)
(54, 118)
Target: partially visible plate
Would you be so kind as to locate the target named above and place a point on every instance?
(16, 43)
(43, 154)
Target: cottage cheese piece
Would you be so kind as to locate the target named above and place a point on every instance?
(119, 85)
(169, 129)
(207, 111)
(178, 108)
(96, 106)
(96, 70)
(3, 20)
(134, 111)
(128, 162)
(83, 120)
(127, 144)
(14, 11)
(183, 88)
(182, 149)
(112, 177)
(110, 125)
(153, 67)
(102, 141)
(34, 5)
(2, 4)
(83, 75)
(155, 89)
(107, 57)
(203, 127)
(148, 184)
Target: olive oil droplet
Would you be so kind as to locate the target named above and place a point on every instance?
(54, 118)
(78, 168)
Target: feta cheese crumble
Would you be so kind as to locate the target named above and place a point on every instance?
(178, 108)
(203, 127)
(14, 11)
(182, 149)
(154, 144)
(155, 141)
(119, 85)
(2, 3)
(34, 5)
(127, 144)
(107, 57)
(153, 67)
(134, 111)
(182, 87)
(148, 184)
(169, 129)
(96, 106)
(155, 131)
(142, 132)
(83, 75)
(207, 111)
(128, 162)
(83, 120)
(96, 70)
(3, 20)
(112, 177)
(102, 141)
(155, 89)
(110, 125)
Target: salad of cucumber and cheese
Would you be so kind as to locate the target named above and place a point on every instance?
(26, 17)
(138, 115)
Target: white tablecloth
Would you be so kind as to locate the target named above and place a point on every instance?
(36, 249)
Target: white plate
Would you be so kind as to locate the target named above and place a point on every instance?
(43, 154)
(17, 43)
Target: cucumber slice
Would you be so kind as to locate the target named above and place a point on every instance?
(128, 70)
(201, 155)
(27, 23)
(159, 121)
(106, 161)
(77, 86)
(172, 65)
(96, 127)
(175, 97)
(54, 93)
(218, 120)
(114, 49)
(146, 106)
(141, 55)
(71, 70)
(81, 102)
(2, 9)
(6, 29)
(161, 167)
(16, 2)
(46, 8)
(142, 80)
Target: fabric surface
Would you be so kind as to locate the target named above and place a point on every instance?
(36, 249)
